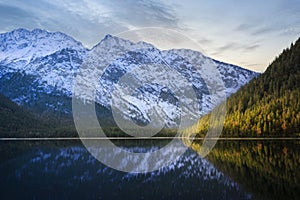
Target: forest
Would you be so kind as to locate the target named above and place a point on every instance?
(268, 105)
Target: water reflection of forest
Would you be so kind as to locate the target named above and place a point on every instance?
(268, 169)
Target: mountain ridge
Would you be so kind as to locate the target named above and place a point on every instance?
(46, 77)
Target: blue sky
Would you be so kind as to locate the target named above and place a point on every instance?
(246, 33)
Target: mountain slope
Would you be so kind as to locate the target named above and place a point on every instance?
(21, 46)
(37, 69)
(140, 54)
(14, 119)
(269, 104)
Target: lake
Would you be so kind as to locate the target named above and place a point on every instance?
(235, 169)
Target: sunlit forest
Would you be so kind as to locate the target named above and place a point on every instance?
(268, 105)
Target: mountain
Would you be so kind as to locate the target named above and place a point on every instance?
(22, 46)
(269, 104)
(37, 69)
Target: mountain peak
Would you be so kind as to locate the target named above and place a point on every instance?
(110, 41)
(35, 34)
(107, 36)
(24, 33)
(23, 45)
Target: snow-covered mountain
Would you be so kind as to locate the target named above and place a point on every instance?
(21, 46)
(37, 69)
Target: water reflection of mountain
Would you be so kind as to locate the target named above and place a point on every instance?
(66, 170)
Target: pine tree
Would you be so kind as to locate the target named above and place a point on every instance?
(269, 104)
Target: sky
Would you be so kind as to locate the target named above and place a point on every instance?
(246, 33)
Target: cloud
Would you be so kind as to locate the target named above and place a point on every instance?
(290, 31)
(205, 41)
(86, 20)
(251, 47)
(283, 30)
(8, 12)
(130, 13)
(244, 27)
(11, 17)
(229, 46)
(265, 30)
(285, 22)
(232, 46)
(255, 29)
(254, 24)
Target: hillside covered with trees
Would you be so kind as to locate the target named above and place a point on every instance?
(269, 105)
(15, 119)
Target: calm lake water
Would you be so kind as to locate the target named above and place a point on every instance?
(233, 170)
